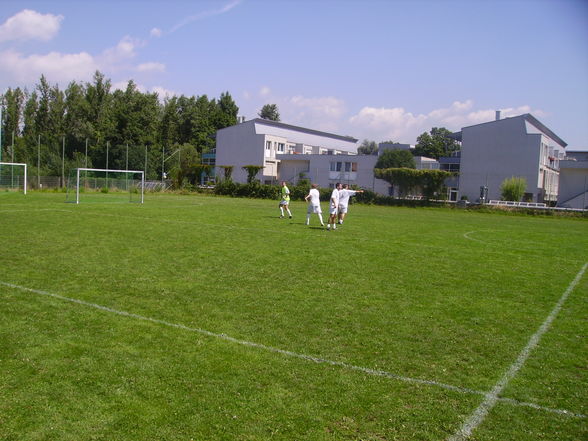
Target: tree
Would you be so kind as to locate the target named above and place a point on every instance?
(270, 111)
(436, 144)
(513, 188)
(227, 111)
(368, 147)
(430, 182)
(397, 158)
(227, 172)
(252, 171)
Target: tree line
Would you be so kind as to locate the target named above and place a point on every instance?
(90, 124)
(434, 144)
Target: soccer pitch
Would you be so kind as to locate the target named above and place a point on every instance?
(209, 318)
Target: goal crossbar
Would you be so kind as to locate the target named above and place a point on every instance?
(83, 169)
(25, 172)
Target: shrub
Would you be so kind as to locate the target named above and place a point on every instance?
(513, 188)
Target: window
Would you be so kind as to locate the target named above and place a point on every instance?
(281, 147)
(348, 166)
(339, 164)
(333, 166)
(268, 145)
(354, 166)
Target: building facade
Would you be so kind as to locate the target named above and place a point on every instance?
(291, 153)
(573, 181)
(519, 146)
(264, 143)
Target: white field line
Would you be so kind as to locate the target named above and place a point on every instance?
(491, 398)
(467, 236)
(368, 371)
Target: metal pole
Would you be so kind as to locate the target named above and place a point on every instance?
(585, 190)
(86, 163)
(107, 145)
(77, 186)
(162, 162)
(39, 161)
(63, 163)
(12, 160)
(127, 168)
(145, 168)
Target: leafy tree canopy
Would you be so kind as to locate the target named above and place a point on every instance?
(513, 189)
(397, 158)
(368, 147)
(270, 111)
(435, 144)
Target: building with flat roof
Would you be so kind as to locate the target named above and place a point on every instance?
(264, 143)
(520, 146)
(290, 153)
(573, 181)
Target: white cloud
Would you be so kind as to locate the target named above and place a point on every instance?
(55, 66)
(117, 56)
(162, 92)
(205, 14)
(399, 125)
(329, 107)
(156, 32)
(151, 67)
(264, 92)
(30, 25)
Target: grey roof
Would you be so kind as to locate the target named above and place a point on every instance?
(282, 125)
(527, 117)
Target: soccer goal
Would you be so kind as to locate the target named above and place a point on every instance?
(95, 184)
(13, 176)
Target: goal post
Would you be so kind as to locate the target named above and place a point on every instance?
(105, 184)
(13, 176)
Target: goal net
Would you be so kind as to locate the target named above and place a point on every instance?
(13, 176)
(104, 185)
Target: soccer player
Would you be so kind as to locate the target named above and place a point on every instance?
(344, 196)
(333, 207)
(314, 206)
(285, 202)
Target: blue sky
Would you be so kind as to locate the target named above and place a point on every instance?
(381, 70)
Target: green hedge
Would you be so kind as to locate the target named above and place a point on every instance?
(298, 192)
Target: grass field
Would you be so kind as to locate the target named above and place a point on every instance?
(206, 318)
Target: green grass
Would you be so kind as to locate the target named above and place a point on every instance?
(437, 295)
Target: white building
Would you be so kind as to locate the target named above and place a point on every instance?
(519, 146)
(290, 153)
(573, 181)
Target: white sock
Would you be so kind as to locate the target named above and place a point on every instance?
(282, 211)
(289, 214)
(307, 219)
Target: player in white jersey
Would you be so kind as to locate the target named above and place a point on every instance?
(333, 207)
(344, 196)
(314, 204)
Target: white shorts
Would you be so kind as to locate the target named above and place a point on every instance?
(314, 209)
(283, 202)
(342, 209)
(332, 210)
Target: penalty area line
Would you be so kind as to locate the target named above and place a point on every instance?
(318, 360)
(492, 397)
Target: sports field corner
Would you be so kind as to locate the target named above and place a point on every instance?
(209, 318)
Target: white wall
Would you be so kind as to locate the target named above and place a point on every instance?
(573, 184)
(494, 151)
(239, 145)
